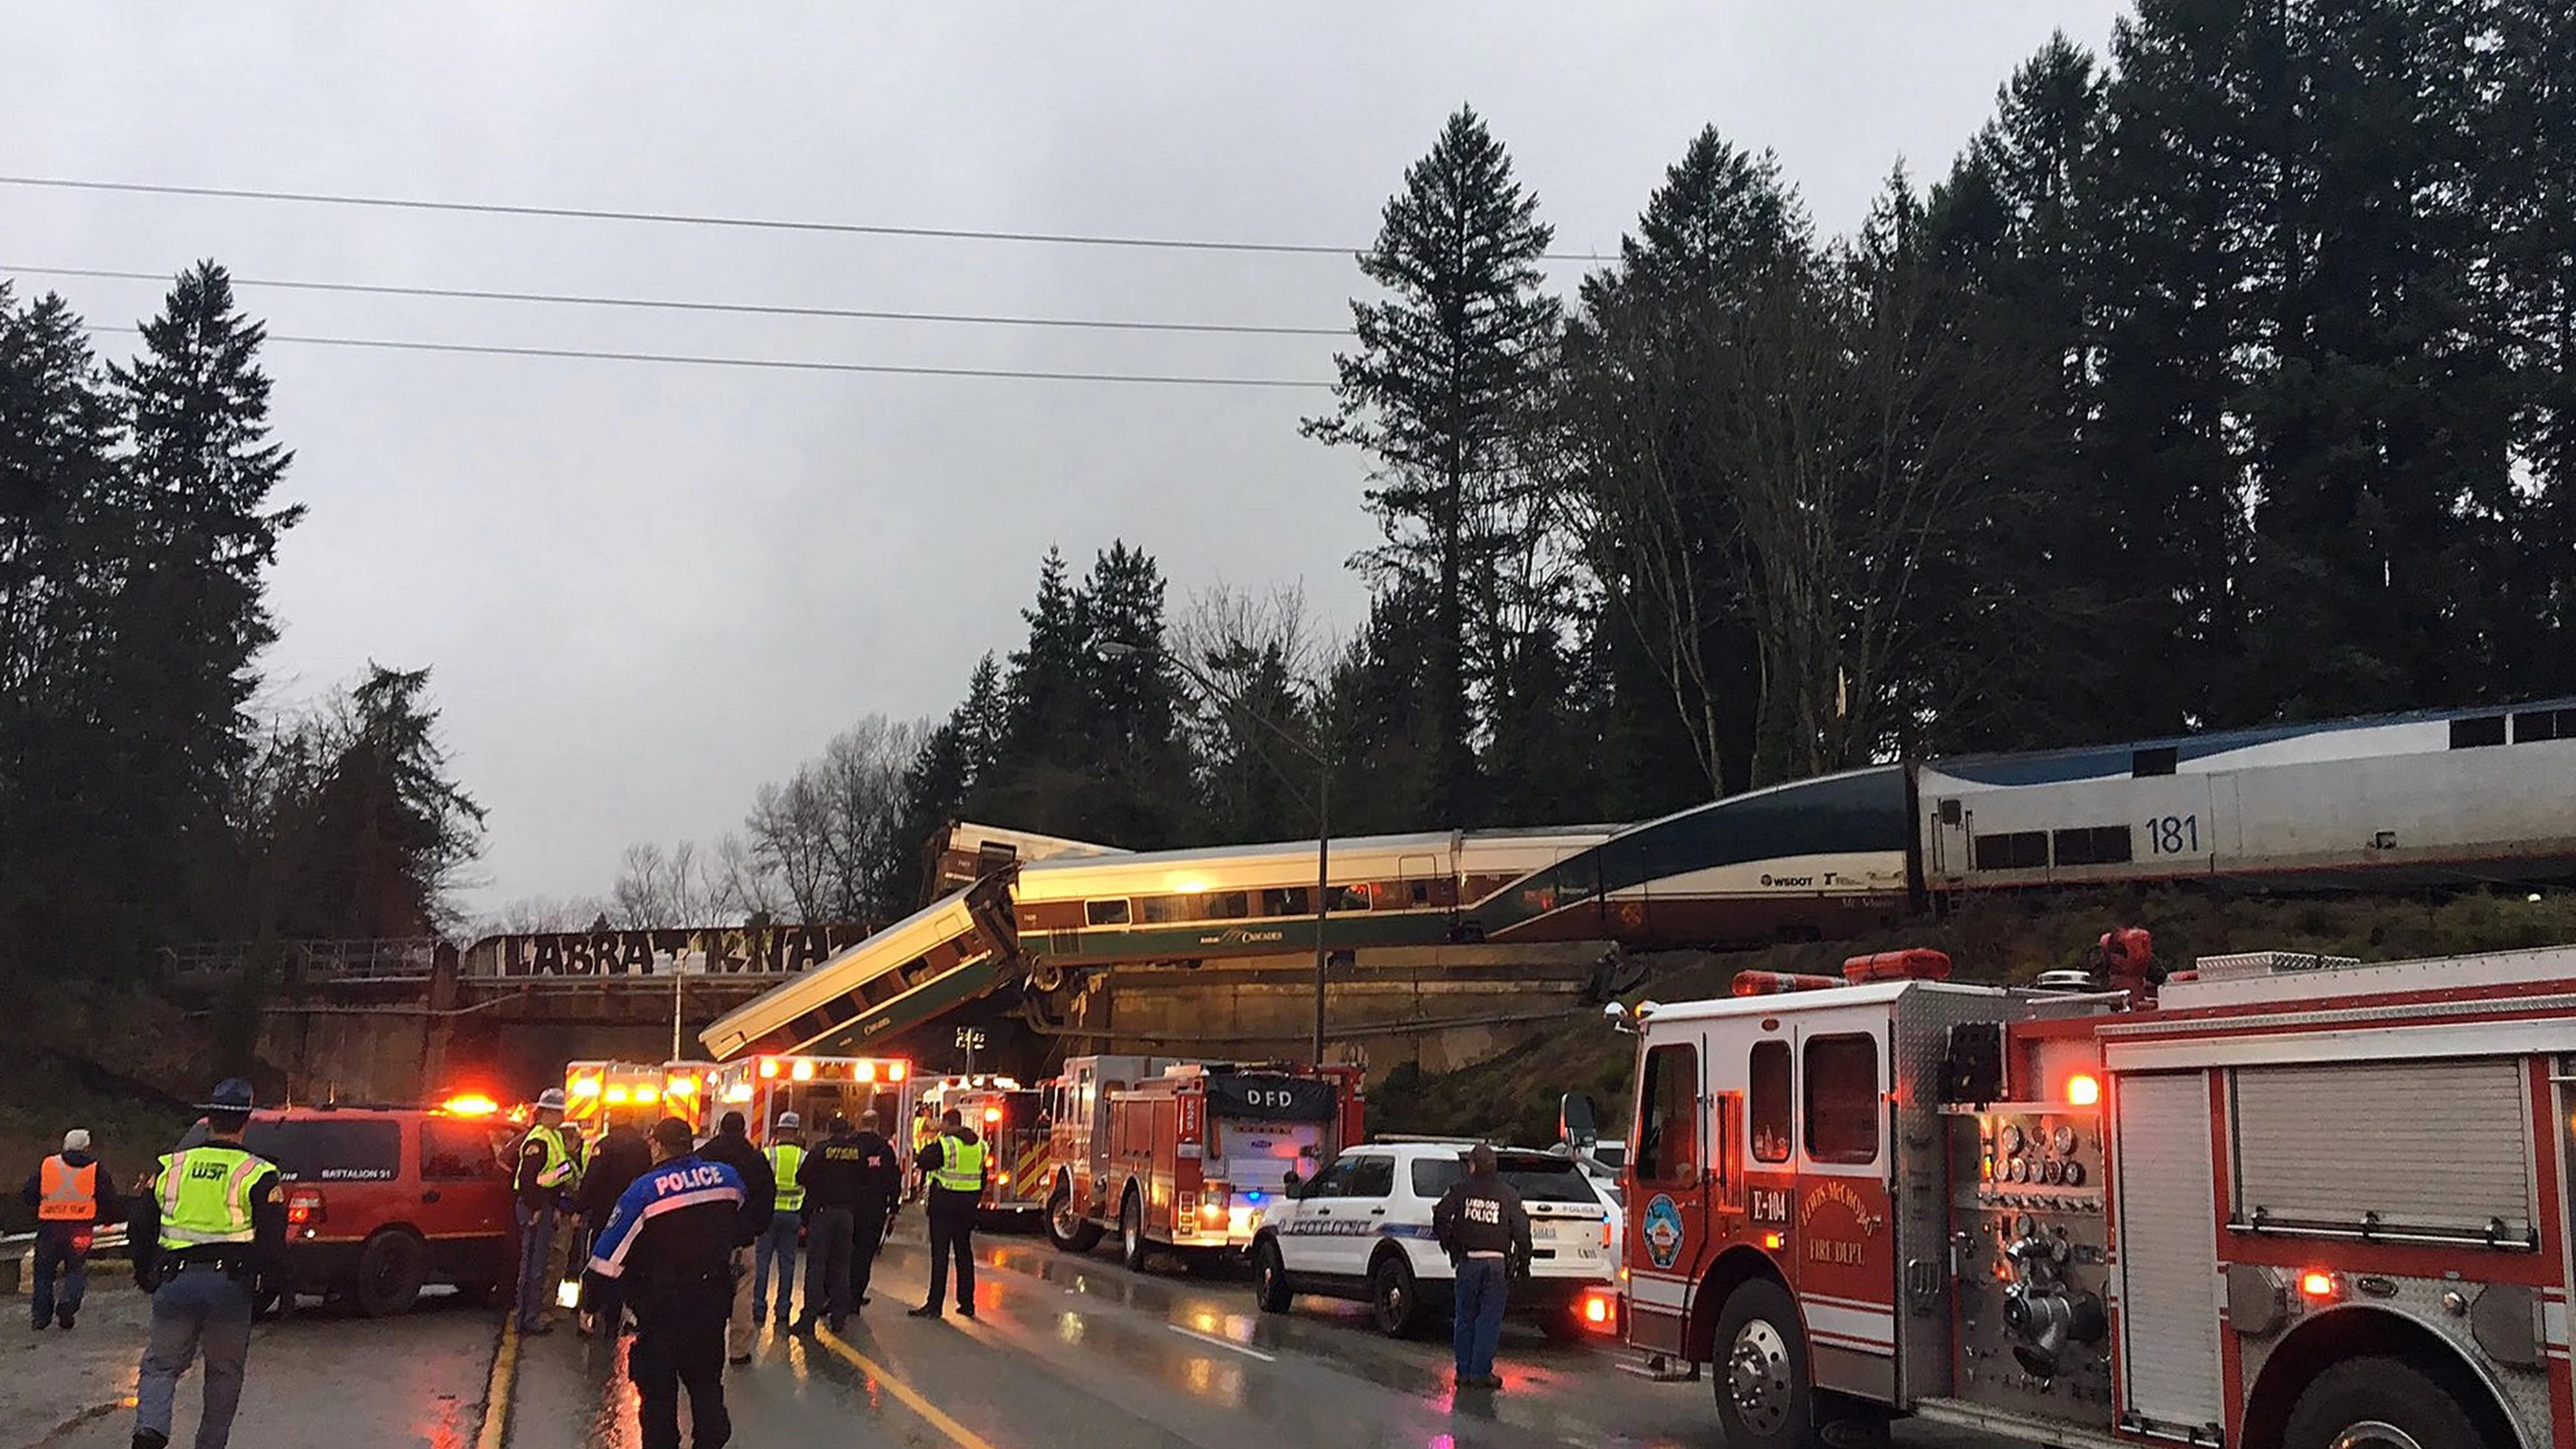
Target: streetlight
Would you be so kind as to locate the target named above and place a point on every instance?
(969, 1040)
(1119, 649)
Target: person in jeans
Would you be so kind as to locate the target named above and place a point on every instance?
(545, 1173)
(1481, 1224)
(72, 1194)
(777, 1245)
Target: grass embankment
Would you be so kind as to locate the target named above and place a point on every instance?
(1514, 1095)
(123, 1066)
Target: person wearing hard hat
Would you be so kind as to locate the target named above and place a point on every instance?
(72, 1195)
(209, 1230)
(546, 1172)
(777, 1247)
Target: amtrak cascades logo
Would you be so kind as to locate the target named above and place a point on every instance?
(1663, 1231)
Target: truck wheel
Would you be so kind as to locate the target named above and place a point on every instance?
(1131, 1231)
(1562, 1323)
(1395, 1299)
(390, 1269)
(1270, 1287)
(2380, 1403)
(1764, 1399)
(1068, 1229)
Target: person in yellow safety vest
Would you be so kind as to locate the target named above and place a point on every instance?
(953, 1167)
(547, 1173)
(786, 1154)
(72, 1195)
(208, 1235)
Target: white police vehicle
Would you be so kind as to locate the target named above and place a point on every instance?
(1361, 1229)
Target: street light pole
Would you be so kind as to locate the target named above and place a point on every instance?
(1120, 649)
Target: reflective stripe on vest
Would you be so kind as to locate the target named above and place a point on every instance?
(961, 1166)
(561, 1167)
(205, 1195)
(67, 1194)
(786, 1159)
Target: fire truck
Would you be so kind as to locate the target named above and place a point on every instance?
(1179, 1154)
(2279, 1201)
(599, 1094)
(816, 1089)
(1011, 1120)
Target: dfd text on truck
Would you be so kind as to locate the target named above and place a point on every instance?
(2284, 1203)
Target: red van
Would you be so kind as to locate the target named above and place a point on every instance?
(382, 1200)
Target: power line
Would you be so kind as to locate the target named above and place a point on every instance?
(476, 349)
(673, 305)
(674, 218)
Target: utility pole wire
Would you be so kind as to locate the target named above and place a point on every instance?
(661, 304)
(746, 223)
(472, 349)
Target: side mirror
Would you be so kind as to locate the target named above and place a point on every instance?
(1578, 1121)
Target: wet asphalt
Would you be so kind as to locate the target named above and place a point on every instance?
(1079, 1350)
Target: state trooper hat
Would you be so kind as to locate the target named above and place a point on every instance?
(232, 1094)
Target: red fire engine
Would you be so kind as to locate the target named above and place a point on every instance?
(2285, 1202)
(1178, 1154)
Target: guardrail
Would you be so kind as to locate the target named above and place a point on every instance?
(17, 1252)
(407, 958)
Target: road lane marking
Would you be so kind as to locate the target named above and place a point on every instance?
(497, 1389)
(909, 1396)
(1212, 1339)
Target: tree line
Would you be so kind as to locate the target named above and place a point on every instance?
(147, 798)
(2224, 379)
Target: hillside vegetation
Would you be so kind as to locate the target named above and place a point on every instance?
(1514, 1095)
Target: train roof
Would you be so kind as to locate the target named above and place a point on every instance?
(2206, 749)
(1355, 858)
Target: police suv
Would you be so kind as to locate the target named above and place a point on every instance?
(1361, 1229)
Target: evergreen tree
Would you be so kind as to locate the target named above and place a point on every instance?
(391, 829)
(1441, 392)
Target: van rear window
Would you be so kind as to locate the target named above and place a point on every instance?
(1536, 1179)
(307, 1151)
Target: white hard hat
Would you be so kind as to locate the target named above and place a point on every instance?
(790, 1122)
(550, 1100)
(76, 1140)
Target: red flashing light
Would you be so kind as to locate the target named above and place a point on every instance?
(992, 1115)
(2084, 1090)
(1773, 1242)
(1769, 983)
(2318, 1286)
(768, 1068)
(1599, 1314)
(1913, 965)
(470, 1104)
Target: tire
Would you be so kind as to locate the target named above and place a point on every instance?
(1271, 1290)
(1395, 1299)
(1562, 1323)
(1132, 1246)
(1765, 1399)
(390, 1269)
(1068, 1230)
(2381, 1403)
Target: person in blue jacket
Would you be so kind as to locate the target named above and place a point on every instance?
(669, 1245)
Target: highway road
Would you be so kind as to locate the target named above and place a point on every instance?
(1079, 1350)
(1065, 1350)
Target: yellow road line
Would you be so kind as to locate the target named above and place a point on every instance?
(496, 1391)
(911, 1398)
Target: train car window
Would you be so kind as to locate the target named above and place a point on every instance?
(2534, 725)
(1667, 1147)
(2095, 845)
(2470, 734)
(1767, 1111)
(1421, 892)
(1290, 902)
(1842, 1100)
(2020, 850)
(2159, 760)
(1105, 913)
(1350, 898)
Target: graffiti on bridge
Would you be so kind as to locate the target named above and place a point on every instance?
(769, 951)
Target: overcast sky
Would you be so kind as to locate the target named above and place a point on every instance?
(646, 589)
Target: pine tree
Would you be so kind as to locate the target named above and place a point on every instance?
(1441, 391)
(391, 828)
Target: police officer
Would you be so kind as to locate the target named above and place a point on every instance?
(851, 1182)
(669, 1244)
(732, 1146)
(72, 1195)
(777, 1247)
(953, 1165)
(1481, 1222)
(547, 1171)
(211, 1225)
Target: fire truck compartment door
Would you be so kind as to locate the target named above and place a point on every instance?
(1256, 1157)
(2169, 1284)
(1842, 1245)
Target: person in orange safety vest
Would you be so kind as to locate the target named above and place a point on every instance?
(72, 1194)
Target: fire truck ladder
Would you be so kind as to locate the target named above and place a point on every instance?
(950, 952)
